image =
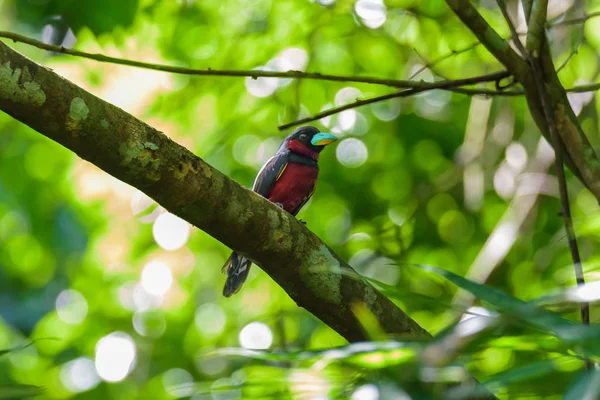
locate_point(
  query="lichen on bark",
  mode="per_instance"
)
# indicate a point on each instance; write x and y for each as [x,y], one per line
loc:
[321,272]
[17,85]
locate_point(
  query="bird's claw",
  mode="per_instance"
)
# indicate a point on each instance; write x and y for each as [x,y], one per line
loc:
[302,222]
[280,205]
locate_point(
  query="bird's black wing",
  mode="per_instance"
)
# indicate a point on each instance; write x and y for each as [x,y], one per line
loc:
[269,174]
[305,200]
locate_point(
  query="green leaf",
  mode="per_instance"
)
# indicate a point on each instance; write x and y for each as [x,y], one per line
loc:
[527,312]
[523,373]
[19,391]
[586,387]
[16,348]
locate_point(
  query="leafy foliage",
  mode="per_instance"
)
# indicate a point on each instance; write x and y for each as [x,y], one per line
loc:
[440,179]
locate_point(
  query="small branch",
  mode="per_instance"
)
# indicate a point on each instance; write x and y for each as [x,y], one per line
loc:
[430,64]
[536,37]
[495,44]
[575,21]
[405,93]
[562,186]
[209,72]
[435,62]
[406,84]
[590,87]
[549,25]
[535,26]
[573,52]
[535,45]
[513,31]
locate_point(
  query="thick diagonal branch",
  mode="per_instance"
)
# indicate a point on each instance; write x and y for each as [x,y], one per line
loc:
[139,155]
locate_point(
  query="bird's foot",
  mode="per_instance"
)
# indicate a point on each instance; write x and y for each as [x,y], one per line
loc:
[302,222]
[280,205]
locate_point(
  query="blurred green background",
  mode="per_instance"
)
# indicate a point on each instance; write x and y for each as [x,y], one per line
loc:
[122,299]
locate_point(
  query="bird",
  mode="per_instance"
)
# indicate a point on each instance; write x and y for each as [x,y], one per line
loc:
[287,179]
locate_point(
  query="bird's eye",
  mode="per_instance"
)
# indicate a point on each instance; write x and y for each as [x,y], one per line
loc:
[303,136]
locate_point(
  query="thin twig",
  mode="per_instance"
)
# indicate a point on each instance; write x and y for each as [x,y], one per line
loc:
[467,91]
[488,36]
[513,30]
[404,93]
[590,87]
[549,25]
[573,52]
[438,60]
[578,20]
[428,65]
[406,84]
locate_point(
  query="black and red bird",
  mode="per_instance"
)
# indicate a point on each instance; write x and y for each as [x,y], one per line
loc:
[287,179]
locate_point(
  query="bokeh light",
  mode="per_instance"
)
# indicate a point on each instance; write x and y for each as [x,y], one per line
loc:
[212,365]
[71,306]
[309,384]
[170,231]
[115,356]
[365,392]
[142,299]
[290,59]
[178,382]
[386,110]
[347,95]
[261,87]
[372,13]
[256,336]
[352,152]
[516,156]
[247,150]
[504,182]
[79,375]
[156,278]
[224,389]
[150,324]
[210,319]
[141,202]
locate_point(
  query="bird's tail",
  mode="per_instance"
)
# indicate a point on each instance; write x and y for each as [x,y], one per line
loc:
[236,268]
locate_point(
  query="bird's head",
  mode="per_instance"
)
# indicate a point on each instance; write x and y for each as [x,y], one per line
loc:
[308,139]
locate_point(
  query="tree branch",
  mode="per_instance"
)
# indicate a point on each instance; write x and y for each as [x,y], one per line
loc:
[535,27]
[580,157]
[406,93]
[465,49]
[575,21]
[513,31]
[560,172]
[573,52]
[488,37]
[185,185]
[496,76]
[404,84]
[438,60]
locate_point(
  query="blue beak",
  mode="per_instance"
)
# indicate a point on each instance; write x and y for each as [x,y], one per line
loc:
[322,139]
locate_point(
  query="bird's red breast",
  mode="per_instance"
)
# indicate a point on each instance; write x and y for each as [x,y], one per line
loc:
[296,183]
